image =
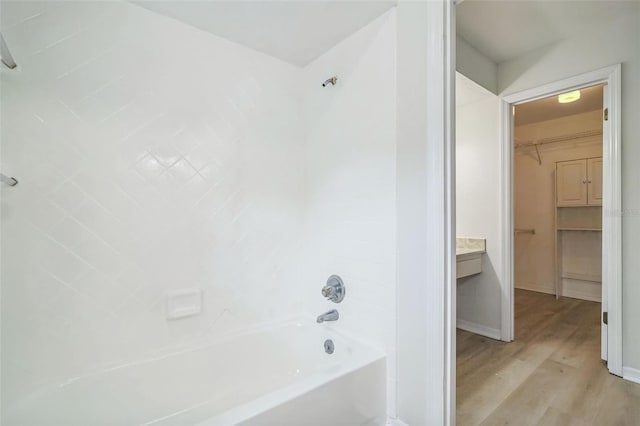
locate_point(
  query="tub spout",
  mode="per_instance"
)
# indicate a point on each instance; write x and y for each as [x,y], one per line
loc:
[331,315]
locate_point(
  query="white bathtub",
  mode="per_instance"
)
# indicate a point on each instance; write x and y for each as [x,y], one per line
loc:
[275,376]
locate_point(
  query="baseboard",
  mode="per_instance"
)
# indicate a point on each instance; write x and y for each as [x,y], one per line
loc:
[631,374]
[566,292]
[581,295]
[482,330]
[579,289]
[524,286]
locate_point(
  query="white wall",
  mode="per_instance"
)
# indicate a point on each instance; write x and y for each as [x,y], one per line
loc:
[350,149]
[534,202]
[619,43]
[477,203]
[424,350]
[475,66]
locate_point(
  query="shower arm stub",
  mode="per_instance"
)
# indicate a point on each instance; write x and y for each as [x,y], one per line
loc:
[11,181]
[5,54]
[333,80]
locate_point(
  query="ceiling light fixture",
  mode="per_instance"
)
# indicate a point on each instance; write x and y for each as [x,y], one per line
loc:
[569,97]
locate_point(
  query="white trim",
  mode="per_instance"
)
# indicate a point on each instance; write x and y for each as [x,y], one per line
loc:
[612,222]
[506,219]
[425,329]
[480,329]
[631,374]
[450,211]
[572,83]
[612,187]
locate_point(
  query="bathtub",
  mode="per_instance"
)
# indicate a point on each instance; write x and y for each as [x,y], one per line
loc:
[277,375]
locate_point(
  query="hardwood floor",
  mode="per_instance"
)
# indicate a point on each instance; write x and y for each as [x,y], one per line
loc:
[550,375]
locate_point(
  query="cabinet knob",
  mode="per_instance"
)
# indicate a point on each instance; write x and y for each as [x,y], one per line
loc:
[584,181]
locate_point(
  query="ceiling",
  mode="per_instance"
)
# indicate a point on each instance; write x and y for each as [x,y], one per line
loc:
[549,108]
[503,30]
[296,31]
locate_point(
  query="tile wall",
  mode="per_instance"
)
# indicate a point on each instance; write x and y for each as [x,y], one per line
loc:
[351,184]
[155,157]
[151,157]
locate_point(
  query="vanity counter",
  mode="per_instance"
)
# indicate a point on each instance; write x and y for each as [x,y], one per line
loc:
[469,253]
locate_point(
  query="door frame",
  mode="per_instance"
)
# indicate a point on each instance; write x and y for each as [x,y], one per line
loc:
[611,204]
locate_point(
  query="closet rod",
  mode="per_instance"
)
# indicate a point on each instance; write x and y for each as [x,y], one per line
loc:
[564,138]
[555,139]
[525,231]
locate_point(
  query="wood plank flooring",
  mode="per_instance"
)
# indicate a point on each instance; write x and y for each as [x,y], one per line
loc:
[550,375]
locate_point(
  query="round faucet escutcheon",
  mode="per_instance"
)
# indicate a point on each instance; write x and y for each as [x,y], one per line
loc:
[334,290]
[329,347]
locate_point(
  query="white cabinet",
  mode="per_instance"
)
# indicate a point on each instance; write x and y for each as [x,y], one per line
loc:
[594,181]
[571,183]
[579,182]
[578,245]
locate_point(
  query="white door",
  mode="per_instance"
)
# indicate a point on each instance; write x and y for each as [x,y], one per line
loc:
[571,183]
[594,181]
[604,333]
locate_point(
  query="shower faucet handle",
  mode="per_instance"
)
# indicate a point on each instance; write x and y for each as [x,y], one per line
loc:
[334,290]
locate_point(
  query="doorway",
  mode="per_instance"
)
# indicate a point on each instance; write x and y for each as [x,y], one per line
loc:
[558,195]
[566,278]
[496,375]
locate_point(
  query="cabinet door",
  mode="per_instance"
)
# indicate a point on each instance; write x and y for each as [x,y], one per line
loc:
[571,183]
[594,181]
